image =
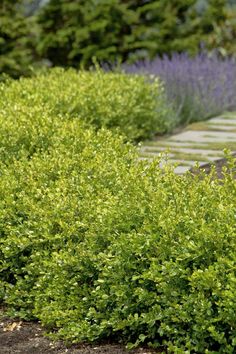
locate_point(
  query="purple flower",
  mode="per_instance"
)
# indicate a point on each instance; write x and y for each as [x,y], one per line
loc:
[197,87]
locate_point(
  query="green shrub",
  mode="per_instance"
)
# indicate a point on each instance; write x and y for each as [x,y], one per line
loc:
[222,38]
[16,39]
[79,168]
[130,103]
[73,33]
[96,244]
[124,30]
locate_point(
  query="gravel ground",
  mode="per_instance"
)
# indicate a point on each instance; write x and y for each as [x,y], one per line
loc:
[18,337]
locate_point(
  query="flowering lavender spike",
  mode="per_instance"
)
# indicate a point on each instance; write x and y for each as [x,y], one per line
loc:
[198,87]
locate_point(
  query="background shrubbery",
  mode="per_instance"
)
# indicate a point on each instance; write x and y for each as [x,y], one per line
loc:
[71,33]
[67,33]
[223,36]
[16,39]
[131,104]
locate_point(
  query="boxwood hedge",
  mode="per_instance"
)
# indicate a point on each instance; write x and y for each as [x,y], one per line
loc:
[96,244]
[134,105]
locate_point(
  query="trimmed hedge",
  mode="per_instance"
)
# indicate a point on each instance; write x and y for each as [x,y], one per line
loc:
[133,105]
[98,245]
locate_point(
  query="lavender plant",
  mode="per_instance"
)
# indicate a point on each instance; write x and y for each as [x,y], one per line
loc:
[198,87]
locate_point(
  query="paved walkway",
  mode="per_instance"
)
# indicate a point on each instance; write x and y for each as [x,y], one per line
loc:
[201,142]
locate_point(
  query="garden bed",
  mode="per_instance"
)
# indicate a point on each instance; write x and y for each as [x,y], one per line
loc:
[27,337]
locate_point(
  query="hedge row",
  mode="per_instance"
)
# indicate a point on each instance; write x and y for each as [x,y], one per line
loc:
[98,245]
[130,104]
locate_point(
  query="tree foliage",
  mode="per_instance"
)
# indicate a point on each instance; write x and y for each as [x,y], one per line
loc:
[224,34]
[73,32]
[16,46]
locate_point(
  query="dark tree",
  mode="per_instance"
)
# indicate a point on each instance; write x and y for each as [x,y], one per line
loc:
[16,39]
[73,32]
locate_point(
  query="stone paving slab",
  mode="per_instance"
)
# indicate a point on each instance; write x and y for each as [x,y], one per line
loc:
[188,163]
[213,127]
[155,153]
[199,142]
[204,136]
[223,121]
[187,150]
[179,170]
